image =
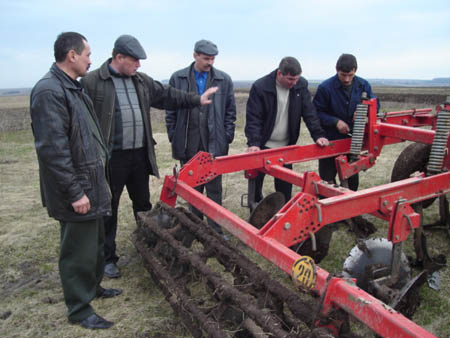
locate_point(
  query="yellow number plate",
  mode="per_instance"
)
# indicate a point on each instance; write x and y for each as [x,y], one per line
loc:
[304,273]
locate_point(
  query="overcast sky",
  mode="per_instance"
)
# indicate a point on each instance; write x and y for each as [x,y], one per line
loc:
[391,39]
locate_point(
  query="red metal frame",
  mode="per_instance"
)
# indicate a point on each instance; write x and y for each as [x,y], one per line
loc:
[306,213]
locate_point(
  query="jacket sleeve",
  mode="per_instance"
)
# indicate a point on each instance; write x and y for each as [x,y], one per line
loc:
[171,116]
[230,113]
[310,116]
[87,87]
[51,128]
[168,97]
[254,117]
[322,104]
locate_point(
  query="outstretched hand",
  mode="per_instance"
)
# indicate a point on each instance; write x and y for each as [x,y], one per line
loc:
[204,99]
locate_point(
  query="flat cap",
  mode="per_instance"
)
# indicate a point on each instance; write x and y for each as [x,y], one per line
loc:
[206,47]
[129,45]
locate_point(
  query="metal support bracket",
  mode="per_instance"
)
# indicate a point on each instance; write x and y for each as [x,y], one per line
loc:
[298,218]
[346,169]
[403,220]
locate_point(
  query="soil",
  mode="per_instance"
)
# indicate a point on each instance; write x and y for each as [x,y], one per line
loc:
[176,267]
[19,118]
[431,99]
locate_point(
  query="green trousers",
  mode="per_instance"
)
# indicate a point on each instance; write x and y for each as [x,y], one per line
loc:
[81,265]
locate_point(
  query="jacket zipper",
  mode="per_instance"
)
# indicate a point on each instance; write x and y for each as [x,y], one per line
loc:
[188,116]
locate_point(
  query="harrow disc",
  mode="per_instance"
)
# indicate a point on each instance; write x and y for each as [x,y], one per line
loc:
[266,208]
[370,260]
[373,252]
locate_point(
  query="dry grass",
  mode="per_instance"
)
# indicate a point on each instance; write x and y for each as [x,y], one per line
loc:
[12,102]
[14,113]
[31,303]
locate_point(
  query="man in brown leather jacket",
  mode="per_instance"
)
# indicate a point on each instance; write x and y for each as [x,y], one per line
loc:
[122,99]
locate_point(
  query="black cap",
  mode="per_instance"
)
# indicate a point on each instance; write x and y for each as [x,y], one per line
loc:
[206,47]
[129,45]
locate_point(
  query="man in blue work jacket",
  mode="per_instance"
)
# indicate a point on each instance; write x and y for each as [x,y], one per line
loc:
[335,101]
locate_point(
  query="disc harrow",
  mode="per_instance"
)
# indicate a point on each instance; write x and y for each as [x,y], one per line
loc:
[240,301]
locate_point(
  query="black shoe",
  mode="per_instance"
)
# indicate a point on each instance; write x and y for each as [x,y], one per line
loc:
[108,293]
[94,322]
[111,270]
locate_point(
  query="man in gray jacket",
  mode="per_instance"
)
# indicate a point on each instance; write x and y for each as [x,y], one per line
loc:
[209,128]
[122,99]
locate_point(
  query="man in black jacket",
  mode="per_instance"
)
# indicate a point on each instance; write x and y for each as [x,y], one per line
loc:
[209,128]
[72,158]
[275,106]
[122,98]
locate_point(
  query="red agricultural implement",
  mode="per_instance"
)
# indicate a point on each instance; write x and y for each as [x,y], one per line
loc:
[375,287]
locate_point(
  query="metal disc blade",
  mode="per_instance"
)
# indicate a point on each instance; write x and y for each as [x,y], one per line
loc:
[265,209]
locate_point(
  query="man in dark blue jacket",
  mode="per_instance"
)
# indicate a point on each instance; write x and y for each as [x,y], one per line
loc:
[335,102]
[275,106]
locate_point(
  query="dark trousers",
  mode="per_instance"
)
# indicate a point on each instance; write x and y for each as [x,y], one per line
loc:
[81,265]
[282,186]
[213,192]
[328,171]
[128,168]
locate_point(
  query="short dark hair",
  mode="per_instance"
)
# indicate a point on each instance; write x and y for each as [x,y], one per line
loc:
[290,65]
[67,41]
[346,63]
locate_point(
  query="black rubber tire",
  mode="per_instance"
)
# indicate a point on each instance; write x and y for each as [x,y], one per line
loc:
[413,158]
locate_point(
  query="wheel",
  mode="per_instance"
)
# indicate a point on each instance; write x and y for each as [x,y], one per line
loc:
[413,158]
